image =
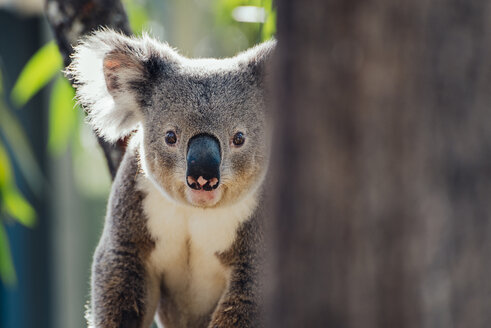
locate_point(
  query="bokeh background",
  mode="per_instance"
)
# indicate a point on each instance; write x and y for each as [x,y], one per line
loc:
[54,181]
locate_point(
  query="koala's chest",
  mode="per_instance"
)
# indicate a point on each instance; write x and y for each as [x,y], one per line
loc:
[185,259]
[186,243]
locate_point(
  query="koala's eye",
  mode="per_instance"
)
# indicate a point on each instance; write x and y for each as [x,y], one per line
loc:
[170,137]
[238,139]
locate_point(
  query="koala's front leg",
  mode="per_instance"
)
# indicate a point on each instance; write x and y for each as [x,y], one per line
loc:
[240,306]
[123,292]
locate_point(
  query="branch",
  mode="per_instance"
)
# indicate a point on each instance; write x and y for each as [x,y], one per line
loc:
[72,19]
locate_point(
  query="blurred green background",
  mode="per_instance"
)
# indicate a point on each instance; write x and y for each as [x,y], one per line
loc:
[53,177]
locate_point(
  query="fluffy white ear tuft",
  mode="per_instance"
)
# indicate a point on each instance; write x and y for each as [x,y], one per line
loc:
[105,69]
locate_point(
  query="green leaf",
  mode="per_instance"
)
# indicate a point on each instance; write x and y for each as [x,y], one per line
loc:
[16,206]
[13,203]
[21,148]
[5,170]
[38,71]
[7,271]
[62,116]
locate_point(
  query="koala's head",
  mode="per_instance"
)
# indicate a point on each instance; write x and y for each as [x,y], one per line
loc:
[202,122]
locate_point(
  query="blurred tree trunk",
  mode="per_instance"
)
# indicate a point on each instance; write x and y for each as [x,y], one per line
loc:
[383,210]
[72,19]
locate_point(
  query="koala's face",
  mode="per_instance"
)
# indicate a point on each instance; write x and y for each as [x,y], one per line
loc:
[202,122]
[204,134]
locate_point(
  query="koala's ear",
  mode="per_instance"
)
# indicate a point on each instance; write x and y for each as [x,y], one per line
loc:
[258,59]
[110,71]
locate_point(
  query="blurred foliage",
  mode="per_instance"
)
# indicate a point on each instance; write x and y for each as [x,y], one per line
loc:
[39,70]
[44,66]
[269,27]
[12,131]
[137,15]
[62,116]
[13,205]
[255,32]
[7,271]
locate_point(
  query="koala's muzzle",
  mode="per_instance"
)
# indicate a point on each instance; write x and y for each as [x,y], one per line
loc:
[203,161]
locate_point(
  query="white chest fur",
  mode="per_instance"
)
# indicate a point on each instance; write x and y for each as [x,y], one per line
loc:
[187,241]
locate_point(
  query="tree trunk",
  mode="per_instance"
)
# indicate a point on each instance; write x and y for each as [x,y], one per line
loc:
[72,19]
[383,212]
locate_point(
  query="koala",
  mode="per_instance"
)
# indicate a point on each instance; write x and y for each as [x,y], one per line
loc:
[183,236]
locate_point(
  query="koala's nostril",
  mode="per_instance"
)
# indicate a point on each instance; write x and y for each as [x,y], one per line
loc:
[207,185]
[202,181]
[192,183]
[213,182]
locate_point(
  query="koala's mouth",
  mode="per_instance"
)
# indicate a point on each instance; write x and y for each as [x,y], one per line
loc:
[203,198]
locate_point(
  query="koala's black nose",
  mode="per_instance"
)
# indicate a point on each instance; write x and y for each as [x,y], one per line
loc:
[203,160]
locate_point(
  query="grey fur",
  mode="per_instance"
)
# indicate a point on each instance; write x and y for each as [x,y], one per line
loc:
[126,84]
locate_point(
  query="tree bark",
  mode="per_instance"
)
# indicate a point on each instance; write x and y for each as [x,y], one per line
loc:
[384,198]
[72,19]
